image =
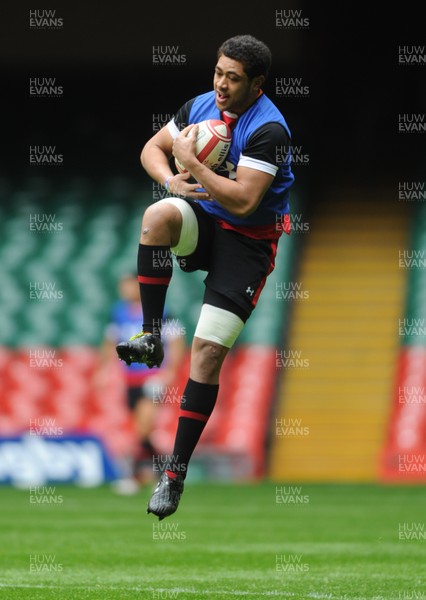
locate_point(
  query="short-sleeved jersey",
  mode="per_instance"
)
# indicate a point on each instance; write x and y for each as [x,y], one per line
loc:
[260,140]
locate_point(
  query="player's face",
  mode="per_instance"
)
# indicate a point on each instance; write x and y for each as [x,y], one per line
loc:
[129,289]
[235,92]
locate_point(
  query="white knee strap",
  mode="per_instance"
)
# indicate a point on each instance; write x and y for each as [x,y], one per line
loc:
[218,325]
[189,233]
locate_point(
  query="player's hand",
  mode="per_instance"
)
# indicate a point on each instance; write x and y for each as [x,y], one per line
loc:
[180,186]
[184,145]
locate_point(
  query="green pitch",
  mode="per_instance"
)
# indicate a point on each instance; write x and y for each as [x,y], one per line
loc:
[347,542]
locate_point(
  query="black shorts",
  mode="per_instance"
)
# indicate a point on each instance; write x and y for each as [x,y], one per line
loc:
[237,266]
[134,394]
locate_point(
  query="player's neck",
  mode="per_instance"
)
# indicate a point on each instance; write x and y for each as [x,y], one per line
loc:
[249,103]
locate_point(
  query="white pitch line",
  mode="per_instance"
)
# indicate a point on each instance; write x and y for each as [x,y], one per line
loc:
[177,591]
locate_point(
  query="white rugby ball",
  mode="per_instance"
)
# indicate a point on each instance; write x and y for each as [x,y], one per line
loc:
[211,145]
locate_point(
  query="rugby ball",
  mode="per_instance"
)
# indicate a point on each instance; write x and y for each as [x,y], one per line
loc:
[211,145]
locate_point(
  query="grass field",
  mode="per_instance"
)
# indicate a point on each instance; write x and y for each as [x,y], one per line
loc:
[348,542]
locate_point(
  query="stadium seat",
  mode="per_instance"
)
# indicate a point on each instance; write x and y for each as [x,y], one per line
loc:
[91,238]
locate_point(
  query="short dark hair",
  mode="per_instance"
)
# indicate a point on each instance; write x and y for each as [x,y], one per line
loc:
[253,54]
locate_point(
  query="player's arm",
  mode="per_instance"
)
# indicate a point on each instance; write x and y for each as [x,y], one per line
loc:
[155,155]
[254,175]
[155,159]
[240,196]
[106,355]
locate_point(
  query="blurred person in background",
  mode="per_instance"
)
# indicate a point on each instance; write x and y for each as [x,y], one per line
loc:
[146,388]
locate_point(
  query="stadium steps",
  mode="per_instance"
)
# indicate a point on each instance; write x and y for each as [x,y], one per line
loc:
[332,407]
[404,453]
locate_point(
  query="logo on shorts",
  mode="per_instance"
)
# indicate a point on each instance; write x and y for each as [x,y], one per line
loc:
[249,291]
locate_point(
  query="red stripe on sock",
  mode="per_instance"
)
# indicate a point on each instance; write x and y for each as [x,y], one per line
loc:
[154,280]
[189,414]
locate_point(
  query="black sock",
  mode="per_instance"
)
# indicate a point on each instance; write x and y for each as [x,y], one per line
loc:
[155,269]
[143,454]
[197,405]
[147,446]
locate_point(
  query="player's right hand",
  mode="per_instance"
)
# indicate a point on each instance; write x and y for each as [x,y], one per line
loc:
[179,185]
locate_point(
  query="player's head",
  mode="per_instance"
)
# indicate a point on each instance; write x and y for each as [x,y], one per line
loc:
[243,63]
[253,54]
[129,287]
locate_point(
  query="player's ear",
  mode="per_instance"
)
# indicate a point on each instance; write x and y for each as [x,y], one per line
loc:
[258,82]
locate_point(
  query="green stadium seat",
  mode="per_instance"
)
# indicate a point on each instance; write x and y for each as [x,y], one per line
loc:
[96,243]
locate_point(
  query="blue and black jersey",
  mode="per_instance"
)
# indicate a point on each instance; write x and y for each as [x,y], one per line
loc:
[260,140]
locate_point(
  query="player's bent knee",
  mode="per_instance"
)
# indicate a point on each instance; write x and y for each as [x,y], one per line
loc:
[218,326]
[161,213]
[189,231]
[162,220]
